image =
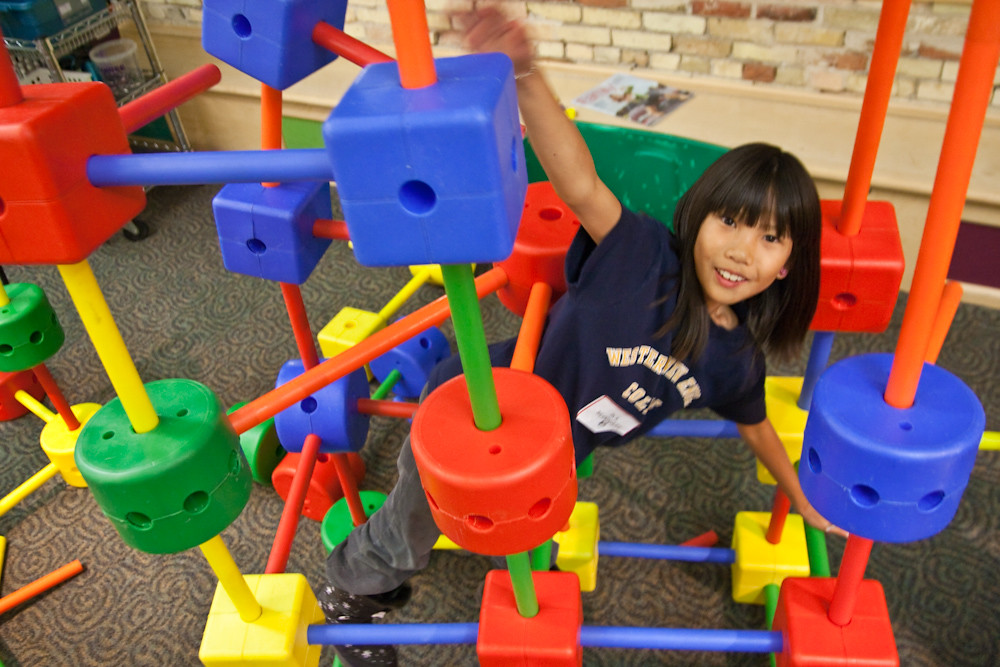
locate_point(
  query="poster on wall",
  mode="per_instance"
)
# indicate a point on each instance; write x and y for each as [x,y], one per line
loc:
[642,101]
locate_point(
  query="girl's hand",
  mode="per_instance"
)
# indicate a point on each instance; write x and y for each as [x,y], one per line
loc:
[488,30]
[817,521]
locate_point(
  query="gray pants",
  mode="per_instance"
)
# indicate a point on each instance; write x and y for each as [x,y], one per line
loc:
[394,544]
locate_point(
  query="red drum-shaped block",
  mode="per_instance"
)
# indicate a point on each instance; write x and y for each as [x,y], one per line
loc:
[503,491]
[324,486]
[49,211]
[10,384]
[859,275]
[551,637]
[813,640]
[539,255]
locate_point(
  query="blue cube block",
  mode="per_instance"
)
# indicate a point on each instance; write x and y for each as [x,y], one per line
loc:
[268,232]
[331,413]
[885,473]
[433,175]
[271,40]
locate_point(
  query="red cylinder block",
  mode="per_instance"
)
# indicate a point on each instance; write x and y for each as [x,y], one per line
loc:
[10,384]
[503,491]
[539,255]
[324,486]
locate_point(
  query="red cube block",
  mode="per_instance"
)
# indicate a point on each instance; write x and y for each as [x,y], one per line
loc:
[859,275]
[546,231]
[10,384]
[551,638]
[49,211]
[812,640]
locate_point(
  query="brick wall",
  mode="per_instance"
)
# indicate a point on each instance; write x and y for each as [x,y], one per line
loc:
[818,45]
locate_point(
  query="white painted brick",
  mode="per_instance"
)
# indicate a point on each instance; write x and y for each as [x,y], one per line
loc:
[660,6]
[919,68]
[904,87]
[861,41]
[544,31]
[664,61]
[584,34]
[856,82]
[613,18]
[579,52]
[449,5]
[556,50]
[193,15]
[664,22]
[369,15]
[695,65]
[797,33]
[744,29]
[767,54]
[728,69]
[996,97]
[938,25]
[935,91]
[830,80]
[851,18]
[607,55]
[555,11]
[790,75]
[438,21]
[636,39]
[949,71]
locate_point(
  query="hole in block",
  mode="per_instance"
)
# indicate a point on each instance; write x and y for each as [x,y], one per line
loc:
[550,213]
[864,496]
[479,522]
[36,337]
[308,405]
[431,501]
[906,426]
[540,509]
[930,501]
[241,26]
[844,300]
[417,197]
[322,457]
[256,246]
[495,449]
[815,465]
[139,520]
[183,412]
[107,435]
[196,502]
[6,349]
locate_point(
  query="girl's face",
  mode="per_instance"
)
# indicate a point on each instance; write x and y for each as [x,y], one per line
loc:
[734,261]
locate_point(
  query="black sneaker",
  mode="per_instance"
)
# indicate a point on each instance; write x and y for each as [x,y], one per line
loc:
[343,607]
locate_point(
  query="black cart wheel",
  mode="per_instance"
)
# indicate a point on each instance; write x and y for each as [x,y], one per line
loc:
[136,230]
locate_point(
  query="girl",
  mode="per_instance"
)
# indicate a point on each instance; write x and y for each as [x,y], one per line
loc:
[651,323]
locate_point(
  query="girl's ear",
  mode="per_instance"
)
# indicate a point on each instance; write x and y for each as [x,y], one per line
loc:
[783,273]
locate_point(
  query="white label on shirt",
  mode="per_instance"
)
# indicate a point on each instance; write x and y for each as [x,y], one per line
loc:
[603,414]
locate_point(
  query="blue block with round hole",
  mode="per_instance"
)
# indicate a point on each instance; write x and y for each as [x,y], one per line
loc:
[268,232]
[885,473]
[414,359]
[331,413]
[432,175]
[271,40]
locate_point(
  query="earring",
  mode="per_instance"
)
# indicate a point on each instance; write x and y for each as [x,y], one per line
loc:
[783,272]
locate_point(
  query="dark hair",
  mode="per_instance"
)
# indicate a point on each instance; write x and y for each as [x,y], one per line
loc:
[750,184]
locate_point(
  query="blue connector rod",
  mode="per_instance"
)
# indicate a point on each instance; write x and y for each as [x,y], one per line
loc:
[694,428]
[390,633]
[680,639]
[666,552]
[285,166]
[819,357]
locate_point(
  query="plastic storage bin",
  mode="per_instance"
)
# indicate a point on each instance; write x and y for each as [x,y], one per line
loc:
[36,19]
[647,170]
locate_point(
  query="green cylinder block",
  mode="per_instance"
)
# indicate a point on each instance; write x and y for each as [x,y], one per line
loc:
[261,448]
[338,523]
[29,330]
[176,486]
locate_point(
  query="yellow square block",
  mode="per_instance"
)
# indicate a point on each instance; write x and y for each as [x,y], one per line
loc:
[59,443]
[782,395]
[275,639]
[348,328]
[578,545]
[758,562]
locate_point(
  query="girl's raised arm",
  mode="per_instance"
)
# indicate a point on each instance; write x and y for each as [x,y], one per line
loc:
[557,142]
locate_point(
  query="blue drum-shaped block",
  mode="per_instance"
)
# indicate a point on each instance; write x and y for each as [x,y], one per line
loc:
[414,359]
[881,472]
[331,413]
[271,40]
[268,232]
[433,175]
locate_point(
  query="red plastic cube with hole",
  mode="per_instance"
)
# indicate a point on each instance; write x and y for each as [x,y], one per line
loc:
[859,275]
[49,211]
[10,384]
[813,640]
[550,638]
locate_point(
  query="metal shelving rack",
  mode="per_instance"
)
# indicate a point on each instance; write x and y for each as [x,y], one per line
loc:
[37,61]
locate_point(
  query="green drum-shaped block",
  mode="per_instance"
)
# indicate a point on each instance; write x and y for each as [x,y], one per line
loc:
[176,486]
[261,448]
[29,329]
[338,523]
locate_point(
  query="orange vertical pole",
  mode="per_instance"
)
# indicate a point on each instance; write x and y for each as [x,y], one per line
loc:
[965,122]
[950,300]
[852,572]
[881,72]
[413,43]
[270,120]
[530,334]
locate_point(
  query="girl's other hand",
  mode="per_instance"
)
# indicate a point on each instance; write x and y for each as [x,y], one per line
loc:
[489,30]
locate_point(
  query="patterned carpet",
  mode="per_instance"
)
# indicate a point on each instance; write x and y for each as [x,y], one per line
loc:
[183,315]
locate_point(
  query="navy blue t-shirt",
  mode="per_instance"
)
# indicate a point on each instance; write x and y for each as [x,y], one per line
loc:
[598,348]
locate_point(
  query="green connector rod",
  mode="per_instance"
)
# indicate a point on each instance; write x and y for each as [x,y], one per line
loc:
[819,560]
[390,381]
[467,319]
[541,557]
[771,592]
[586,469]
[519,567]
